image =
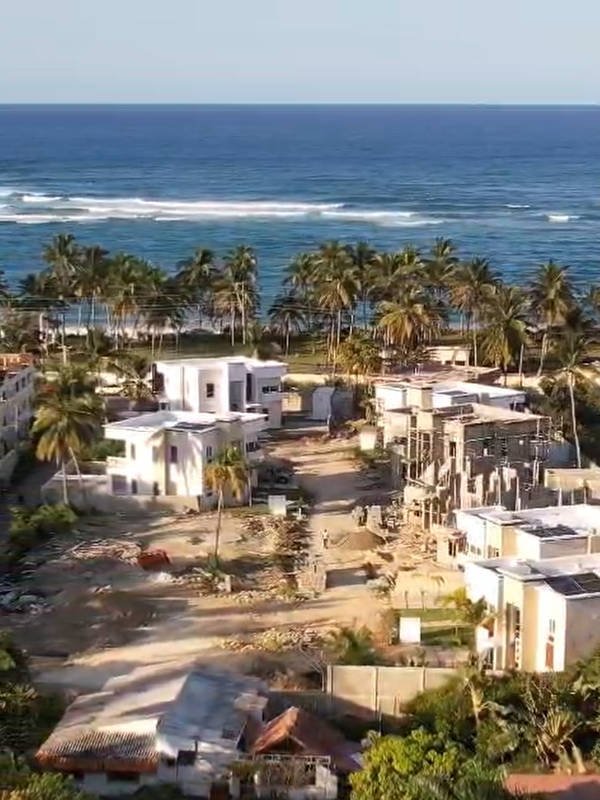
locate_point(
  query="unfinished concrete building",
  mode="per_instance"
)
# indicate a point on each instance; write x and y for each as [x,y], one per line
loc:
[463,456]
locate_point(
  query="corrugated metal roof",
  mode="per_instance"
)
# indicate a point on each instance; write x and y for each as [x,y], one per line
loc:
[97,751]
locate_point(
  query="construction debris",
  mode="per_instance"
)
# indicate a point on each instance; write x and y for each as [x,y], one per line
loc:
[277,641]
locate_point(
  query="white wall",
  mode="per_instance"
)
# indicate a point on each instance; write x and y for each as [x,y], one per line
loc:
[481,581]
[551,606]
[389,397]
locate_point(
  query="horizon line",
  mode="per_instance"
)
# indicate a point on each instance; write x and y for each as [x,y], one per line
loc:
[304,103]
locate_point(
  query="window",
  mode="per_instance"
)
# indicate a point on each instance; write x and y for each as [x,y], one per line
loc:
[452,451]
[172,455]
[130,777]
[186,758]
[493,552]
[134,486]
[208,453]
[550,644]
[252,447]
[132,452]
[210,390]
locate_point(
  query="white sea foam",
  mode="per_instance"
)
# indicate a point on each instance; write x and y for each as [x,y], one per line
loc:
[518,205]
[82,209]
[38,199]
[561,217]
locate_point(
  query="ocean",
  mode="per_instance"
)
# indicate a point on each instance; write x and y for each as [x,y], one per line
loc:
[518,185]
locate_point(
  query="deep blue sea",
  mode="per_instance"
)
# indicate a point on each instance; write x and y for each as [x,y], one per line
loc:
[518,185]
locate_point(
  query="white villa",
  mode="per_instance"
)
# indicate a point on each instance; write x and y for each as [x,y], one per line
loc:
[17,387]
[166,451]
[221,385]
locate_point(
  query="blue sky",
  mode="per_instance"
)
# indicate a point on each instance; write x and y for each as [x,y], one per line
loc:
[299,51]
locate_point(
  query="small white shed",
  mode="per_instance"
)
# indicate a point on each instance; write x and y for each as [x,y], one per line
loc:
[321,402]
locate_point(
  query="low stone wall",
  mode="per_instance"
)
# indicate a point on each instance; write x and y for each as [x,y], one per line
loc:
[90,494]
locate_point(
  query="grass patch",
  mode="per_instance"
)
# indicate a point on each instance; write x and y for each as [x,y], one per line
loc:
[448,636]
[430,614]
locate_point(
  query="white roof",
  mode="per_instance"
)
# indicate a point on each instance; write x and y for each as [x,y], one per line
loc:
[215,361]
[186,420]
[581,518]
[531,569]
[492,390]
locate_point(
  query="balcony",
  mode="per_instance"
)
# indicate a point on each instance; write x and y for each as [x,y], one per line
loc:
[116,462]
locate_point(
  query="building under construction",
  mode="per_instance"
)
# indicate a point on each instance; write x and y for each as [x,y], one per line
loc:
[463,455]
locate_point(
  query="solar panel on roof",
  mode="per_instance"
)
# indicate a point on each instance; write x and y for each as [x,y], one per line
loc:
[564,584]
[588,581]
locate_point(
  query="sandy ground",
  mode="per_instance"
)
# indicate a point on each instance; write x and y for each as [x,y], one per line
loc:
[106,617]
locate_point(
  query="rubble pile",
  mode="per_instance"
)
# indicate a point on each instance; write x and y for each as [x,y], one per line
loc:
[277,641]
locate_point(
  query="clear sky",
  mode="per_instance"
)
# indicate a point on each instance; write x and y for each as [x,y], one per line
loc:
[300,51]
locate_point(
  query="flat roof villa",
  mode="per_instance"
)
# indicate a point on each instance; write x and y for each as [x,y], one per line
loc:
[219,385]
[539,533]
[428,394]
[545,613]
[166,452]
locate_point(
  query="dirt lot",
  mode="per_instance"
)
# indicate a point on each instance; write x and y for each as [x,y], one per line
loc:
[102,615]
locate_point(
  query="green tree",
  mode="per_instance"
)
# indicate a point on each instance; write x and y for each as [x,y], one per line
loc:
[411,319]
[440,265]
[571,351]
[133,368]
[337,287]
[551,298]
[505,334]
[392,765]
[287,317]
[352,646]
[64,425]
[359,356]
[469,292]
[227,473]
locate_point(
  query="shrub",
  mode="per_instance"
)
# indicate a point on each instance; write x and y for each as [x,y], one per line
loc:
[53,519]
[102,449]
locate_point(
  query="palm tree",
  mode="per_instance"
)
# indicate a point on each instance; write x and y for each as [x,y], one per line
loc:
[62,255]
[411,318]
[469,292]
[195,277]
[359,356]
[551,298]
[64,426]
[352,646]
[228,472]
[133,368]
[441,264]
[286,316]
[337,286]
[89,280]
[506,333]
[363,256]
[241,267]
[571,350]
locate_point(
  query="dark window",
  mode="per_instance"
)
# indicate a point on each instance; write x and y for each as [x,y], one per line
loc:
[210,390]
[77,775]
[452,449]
[172,454]
[134,486]
[248,387]
[209,453]
[130,777]
[186,758]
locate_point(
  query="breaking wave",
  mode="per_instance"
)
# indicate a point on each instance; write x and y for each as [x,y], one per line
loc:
[561,217]
[34,208]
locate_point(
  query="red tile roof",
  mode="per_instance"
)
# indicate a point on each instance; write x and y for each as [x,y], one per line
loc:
[312,735]
[99,751]
[556,786]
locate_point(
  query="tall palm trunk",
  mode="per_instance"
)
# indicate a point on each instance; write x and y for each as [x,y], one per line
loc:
[543,353]
[219,517]
[63,464]
[287,338]
[232,322]
[571,383]
[243,313]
